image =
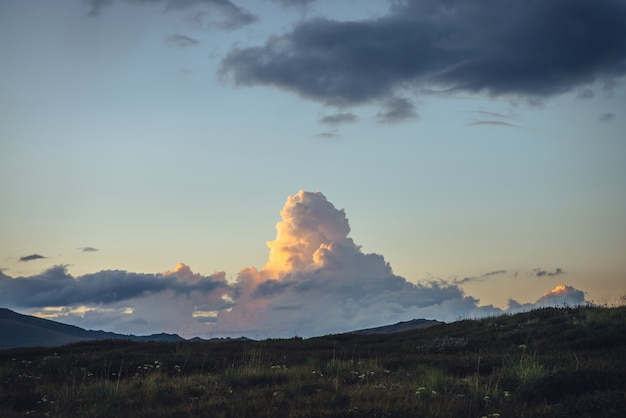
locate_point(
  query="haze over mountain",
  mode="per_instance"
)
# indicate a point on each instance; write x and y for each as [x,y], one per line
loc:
[19,330]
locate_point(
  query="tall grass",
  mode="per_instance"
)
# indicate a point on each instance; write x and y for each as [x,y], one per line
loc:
[544,363]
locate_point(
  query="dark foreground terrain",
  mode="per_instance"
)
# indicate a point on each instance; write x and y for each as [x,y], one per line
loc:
[553,362]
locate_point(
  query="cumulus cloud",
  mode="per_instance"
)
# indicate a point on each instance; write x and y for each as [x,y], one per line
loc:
[31,257]
[222,14]
[561,295]
[316,281]
[533,49]
[88,249]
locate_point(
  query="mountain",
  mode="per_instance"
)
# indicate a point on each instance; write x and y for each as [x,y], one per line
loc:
[398,327]
[19,330]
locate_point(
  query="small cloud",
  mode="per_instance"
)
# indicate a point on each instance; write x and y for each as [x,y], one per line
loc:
[478,278]
[329,134]
[494,273]
[585,93]
[31,257]
[221,14]
[492,123]
[293,3]
[339,119]
[606,117]
[180,41]
[88,249]
[397,109]
[541,273]
[465,280]
[492,114]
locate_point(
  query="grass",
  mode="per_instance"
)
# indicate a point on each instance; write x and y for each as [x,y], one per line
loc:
[552,362]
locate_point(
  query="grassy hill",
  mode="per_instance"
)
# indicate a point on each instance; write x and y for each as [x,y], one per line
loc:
[552,362]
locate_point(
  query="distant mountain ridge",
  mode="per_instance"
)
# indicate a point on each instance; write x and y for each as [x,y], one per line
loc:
[399,327]
[18,330]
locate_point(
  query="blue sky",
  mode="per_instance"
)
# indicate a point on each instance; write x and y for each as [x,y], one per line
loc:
[136,135]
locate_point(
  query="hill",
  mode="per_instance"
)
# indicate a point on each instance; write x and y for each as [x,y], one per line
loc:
[550,362]
[399,327]
[19,330]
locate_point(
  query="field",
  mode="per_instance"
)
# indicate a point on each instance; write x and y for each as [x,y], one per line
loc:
[552,362]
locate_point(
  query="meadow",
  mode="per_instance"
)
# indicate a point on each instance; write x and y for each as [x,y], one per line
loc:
[551,362]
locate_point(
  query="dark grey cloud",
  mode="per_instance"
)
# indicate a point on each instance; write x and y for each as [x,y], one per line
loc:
[397,109]
[479,278]
[88,249]
[606,117]
[528,48]
[222,14]
[294,3]
[541,273]
[55,287]
[339,119]
[180,41]
[31,257]
[494,273]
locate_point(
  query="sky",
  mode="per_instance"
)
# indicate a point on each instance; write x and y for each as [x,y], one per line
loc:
[273,168]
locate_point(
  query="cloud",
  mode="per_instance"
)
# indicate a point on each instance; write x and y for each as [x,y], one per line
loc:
[480,278]
[562,295]
[221,14]
[396,110]
[180,41]
[492,123]
[606,117]
[316,281]
[339,119]
[317,274]
[532,49]
[175,301]
[329,134]
[540,272]
[294,3]
[56,287]
[31,257]
[88,249]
